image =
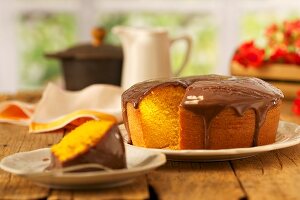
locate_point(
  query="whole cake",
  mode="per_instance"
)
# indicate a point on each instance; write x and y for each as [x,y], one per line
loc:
[202,112]
[97,142]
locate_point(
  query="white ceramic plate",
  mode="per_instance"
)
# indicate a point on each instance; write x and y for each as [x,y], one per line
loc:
[32,164]
[288,134]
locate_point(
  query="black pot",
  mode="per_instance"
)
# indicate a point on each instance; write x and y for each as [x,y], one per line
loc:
[86,64]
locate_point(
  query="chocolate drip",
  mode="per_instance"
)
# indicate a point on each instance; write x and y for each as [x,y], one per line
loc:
[137,92]
[209,98]
[109,152]
[208,114]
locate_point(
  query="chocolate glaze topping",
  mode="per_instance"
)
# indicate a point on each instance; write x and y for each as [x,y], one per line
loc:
[208,98]
[137,92]
[208,95]
[109,152]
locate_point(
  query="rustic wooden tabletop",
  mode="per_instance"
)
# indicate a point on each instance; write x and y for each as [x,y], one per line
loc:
[272,175]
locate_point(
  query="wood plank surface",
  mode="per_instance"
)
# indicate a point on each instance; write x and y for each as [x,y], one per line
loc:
[26,96]
[284,72]
[137,190]
[273,175]
[187,180]
[15,139]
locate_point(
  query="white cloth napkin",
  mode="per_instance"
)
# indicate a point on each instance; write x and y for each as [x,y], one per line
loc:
[59,107]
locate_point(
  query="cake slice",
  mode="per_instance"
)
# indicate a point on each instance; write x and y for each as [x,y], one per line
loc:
[97,142]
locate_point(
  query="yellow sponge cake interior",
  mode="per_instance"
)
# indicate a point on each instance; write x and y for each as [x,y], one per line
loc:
[81,139]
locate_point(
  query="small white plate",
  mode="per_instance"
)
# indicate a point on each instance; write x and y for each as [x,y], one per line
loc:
[32,164]
[288,134]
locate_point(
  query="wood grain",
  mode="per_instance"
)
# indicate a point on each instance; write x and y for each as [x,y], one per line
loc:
[138,190]
[26,96]
[273,175]
[284,72]
[179,180]
[15,139]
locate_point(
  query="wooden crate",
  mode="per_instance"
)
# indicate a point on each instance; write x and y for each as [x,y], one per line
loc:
[283,76]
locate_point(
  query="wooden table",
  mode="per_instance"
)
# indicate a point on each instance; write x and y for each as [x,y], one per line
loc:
[272,175]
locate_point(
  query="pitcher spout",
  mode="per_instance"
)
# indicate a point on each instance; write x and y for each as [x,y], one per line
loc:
[123,33]
[118,30]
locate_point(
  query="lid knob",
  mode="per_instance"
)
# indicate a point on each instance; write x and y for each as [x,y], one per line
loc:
[98,34]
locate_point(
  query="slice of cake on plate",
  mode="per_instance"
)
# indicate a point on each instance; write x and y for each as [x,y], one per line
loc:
[94,142]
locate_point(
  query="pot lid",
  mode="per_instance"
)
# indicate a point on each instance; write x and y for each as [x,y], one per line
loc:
[96,50]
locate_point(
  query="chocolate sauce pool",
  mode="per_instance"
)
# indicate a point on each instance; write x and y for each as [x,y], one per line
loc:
[209,95]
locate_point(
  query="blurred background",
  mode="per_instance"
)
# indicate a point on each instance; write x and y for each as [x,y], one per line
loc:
[31,28]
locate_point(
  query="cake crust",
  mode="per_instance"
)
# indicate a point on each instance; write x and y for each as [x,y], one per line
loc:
[228,130]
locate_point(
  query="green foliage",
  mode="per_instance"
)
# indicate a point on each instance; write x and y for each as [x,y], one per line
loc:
[41,34]
[254,23]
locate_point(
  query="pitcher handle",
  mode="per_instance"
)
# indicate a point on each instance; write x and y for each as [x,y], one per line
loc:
[188,41]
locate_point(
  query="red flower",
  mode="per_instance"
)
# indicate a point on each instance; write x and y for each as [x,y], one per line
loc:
[283,46]
[296,106]
[291,27]
[249,55]
[297,43]
[293,58]
[271,30]
[281,55]
[278,56]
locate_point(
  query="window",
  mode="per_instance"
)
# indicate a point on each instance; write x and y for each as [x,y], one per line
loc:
[30,28]
[40,33]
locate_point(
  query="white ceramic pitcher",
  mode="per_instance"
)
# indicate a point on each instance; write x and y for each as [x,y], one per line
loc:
[147,54]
